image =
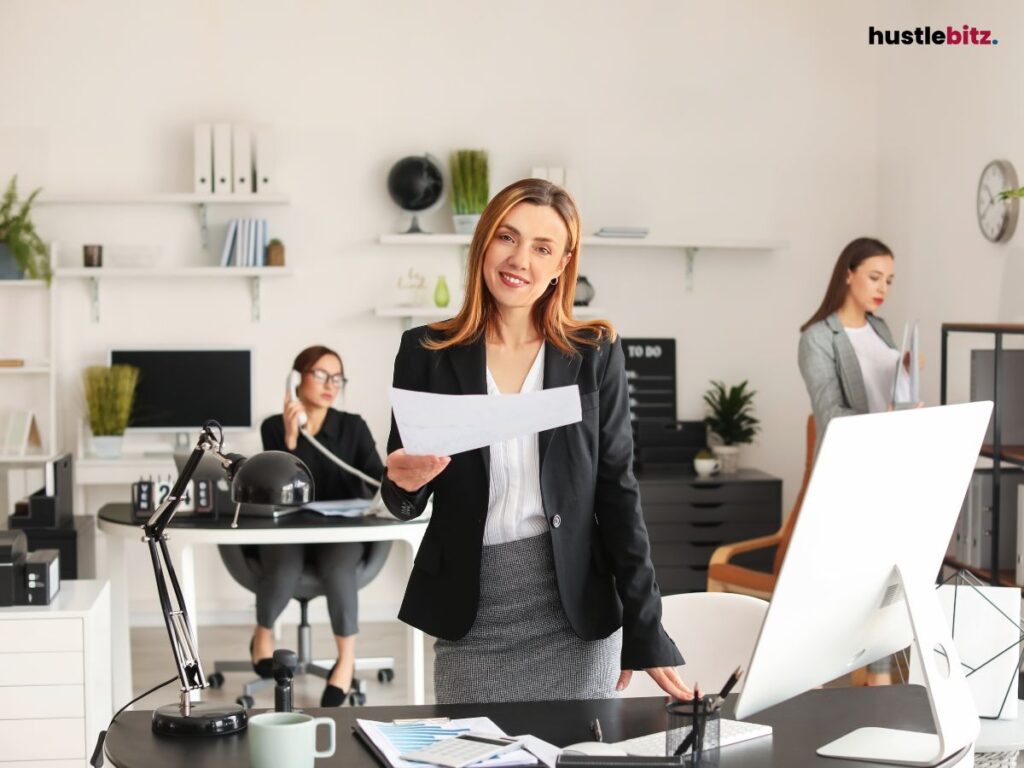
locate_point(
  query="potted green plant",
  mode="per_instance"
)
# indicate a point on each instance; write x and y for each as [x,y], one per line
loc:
[22,252]
[469,188]
[730,421]
[109,394]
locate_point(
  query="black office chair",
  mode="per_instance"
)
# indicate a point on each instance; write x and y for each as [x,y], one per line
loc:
[243,564]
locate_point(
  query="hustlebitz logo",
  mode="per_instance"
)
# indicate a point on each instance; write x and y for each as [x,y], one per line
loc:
[964,35]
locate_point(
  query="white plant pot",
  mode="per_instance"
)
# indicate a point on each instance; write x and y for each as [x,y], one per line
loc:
[465,223]
[729,456]
[107,446]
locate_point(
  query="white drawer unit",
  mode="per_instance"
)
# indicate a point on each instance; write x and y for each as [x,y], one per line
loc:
[55,678]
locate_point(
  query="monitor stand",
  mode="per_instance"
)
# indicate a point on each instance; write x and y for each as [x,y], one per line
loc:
[952,705]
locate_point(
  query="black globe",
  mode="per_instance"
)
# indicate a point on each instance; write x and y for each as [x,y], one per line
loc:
[415,183]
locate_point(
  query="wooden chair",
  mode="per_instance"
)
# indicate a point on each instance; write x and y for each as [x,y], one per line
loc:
[725,576]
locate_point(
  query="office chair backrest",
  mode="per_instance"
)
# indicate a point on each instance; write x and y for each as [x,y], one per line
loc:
[787,528]
[715,631]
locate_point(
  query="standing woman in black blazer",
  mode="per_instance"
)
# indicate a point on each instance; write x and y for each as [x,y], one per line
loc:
[534,573]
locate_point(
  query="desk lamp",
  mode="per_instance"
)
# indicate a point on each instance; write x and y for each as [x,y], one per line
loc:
[271,477]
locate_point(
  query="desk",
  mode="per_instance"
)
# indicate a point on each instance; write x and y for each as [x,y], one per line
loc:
[115,520]
[800,725]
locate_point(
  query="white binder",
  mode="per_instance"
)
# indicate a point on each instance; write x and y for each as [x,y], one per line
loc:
[222,159]
[264,160]
[202,153]
[241,151]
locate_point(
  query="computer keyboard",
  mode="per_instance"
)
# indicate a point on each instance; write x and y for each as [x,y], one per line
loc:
[732,732]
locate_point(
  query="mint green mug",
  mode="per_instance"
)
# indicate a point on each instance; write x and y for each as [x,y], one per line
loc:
[286,740]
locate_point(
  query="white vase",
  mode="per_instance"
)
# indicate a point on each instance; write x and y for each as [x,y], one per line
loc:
[465,223]
[729,455]
[106,446]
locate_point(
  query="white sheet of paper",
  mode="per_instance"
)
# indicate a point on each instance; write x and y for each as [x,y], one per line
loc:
[443,425]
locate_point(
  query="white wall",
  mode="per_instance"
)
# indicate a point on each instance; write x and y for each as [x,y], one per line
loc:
[702,119]
[945,113]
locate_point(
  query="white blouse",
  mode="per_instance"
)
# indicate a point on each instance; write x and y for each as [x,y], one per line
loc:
[515,509]
[878,363]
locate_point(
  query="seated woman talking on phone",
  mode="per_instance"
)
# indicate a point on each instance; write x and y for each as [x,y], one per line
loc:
[320,379]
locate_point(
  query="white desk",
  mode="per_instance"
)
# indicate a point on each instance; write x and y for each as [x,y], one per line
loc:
[114,520]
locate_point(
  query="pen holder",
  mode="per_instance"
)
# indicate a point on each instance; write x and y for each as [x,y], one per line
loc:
[693,732]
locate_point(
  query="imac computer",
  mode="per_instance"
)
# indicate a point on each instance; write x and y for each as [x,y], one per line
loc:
[858,581]
[179,390]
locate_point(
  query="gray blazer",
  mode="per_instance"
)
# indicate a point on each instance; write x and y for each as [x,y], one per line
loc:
[831,371]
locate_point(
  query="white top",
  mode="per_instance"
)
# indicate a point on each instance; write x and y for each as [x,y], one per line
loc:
[878,363]
[515,509]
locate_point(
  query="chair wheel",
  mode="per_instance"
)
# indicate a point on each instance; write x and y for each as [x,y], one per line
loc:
[385,675]
[357,699]
[246,701]
[216,680]
[359,685]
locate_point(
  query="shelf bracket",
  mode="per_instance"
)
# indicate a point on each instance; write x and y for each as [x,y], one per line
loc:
[94,298]
[204,226]
[691,255]
[256,287]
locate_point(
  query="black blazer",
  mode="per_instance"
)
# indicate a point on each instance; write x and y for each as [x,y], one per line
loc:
[591,499]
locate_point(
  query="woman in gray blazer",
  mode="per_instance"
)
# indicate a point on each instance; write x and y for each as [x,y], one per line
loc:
[847,356]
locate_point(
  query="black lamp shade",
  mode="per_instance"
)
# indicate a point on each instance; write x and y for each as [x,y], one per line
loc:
[273,477]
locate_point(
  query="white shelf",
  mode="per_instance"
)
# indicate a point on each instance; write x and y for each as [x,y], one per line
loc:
[35,458]
[689,246]
[96,274]
[24,370]
[23,284]
[100,273]
[722,244]
[160,198]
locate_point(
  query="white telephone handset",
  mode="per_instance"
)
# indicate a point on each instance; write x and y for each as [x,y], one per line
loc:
[294,379]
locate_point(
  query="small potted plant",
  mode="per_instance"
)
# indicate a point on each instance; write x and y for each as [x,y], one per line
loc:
[705,464]
[22,252]
[730,421]
[109,394]
[469,188]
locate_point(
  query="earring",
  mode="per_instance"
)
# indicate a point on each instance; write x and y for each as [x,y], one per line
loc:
[554,280]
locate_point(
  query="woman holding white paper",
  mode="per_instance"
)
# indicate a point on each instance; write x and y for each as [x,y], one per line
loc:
[847,356]
[534,573]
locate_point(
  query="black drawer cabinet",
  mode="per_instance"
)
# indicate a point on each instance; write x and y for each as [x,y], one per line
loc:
[688,517]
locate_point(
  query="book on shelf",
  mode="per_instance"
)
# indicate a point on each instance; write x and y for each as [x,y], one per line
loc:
[20,434]
[11,362]
[229,243]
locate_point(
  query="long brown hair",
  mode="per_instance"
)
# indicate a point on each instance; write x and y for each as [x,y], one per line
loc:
[306,359]
[853,256]
[552,312]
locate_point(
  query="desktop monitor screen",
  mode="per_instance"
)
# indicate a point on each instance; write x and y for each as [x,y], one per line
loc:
[886,491]
[180,389]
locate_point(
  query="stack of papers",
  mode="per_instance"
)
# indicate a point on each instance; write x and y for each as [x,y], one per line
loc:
[389,740]
[340,507]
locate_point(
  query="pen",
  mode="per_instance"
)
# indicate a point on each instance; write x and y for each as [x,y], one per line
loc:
[595,730]
[727,688]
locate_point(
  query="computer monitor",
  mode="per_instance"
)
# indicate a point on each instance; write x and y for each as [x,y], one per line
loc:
[181,389]
[858,580]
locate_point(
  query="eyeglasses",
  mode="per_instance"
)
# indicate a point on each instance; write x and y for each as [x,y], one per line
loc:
[323,377]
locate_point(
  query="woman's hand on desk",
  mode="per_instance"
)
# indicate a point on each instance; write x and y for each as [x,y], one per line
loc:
[410,473]
[667,679]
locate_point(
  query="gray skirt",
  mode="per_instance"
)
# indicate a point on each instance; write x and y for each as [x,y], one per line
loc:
[521,646]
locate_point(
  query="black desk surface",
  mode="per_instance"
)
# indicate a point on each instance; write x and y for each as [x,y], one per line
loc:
[801,725]
[122,514]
